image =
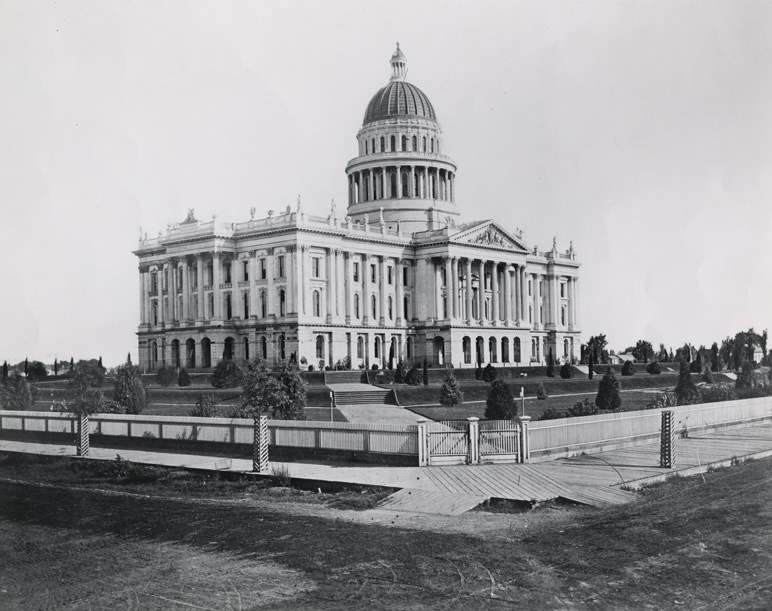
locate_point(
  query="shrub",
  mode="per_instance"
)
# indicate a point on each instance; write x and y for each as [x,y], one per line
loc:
[717,392]
[489,373]
[590,364]
[374,367]
[400,373]
[609,397]
[628,369]
[226,375]
[86,374]
[206,407]
[500,404]
[663,400]
[16,393]
[583,408]
[166,375]
[654,368]
[130,391]
[745,379]
[414,377]
[566,371]
[550,365]
[450,393]
[686,392]
[280,476]
[707,376]
[753,392]
[551,414]
[36,371]
[478,372]
[183,378]
[541,392]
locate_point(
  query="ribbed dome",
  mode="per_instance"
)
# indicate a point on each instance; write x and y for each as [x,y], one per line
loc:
[399,99]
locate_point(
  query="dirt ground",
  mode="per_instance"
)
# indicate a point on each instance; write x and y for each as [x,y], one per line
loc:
[124,538]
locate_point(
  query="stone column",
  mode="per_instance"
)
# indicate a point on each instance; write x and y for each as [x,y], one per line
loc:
[508,294]
[340,282]
[399,182]
[448,288]
[347,282]
[575,302]
[412,189]
[468,294]
[454,287]
[421,290]
[200,315]
[495,292]
[399,291]
[523,294]
[330,285]
[438,313]
[382,294]
[481,292]
[142,298]
[185,291]
[303,278]
[254,300]
[237,310]
[365,292]
[290,273]
[216,269]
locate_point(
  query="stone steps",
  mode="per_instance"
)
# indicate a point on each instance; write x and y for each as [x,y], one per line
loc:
[362,397]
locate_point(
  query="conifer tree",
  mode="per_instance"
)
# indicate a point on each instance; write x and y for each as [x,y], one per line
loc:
[686,391]
[426,373]
[745,379]
[500,404]
[489,373]
[130,392]
[541,392]
[450,393]
[609,396]
[590,364]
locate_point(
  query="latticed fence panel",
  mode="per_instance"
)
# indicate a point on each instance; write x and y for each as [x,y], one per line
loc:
[260,445]
[499,438]
[448,438]
[667,441]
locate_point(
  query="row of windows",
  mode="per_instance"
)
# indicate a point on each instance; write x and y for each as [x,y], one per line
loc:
[406,144]
[190,359]
[374,274]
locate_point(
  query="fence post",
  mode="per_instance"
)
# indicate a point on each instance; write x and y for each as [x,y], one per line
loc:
[260,445]
[82,440]
[667,441]
[423,457]
[473,430]
[524,455]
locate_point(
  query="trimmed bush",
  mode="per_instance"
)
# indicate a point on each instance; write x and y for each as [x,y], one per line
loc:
[541,392]
[16,393]
[478,372]
[226,375]
[183,378]
[717,392]
[500,404]
[583,408]
[400,373]
[686,391]
[551,414]
[206,407]
[654,368]
[745,379]
[628,369]
[566,372]
[166,375]
[609,396]
[489,373]
[130,392]
[414,377]
[450,393]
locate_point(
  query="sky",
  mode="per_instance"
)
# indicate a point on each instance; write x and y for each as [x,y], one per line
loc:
[641,131]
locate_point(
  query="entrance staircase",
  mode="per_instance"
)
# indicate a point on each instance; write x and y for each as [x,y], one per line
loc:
[345,377]
[364,395]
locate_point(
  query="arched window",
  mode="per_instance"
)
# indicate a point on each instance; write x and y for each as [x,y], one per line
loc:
[190,354]
[360,347]
[409,348]
[563,315]
[505,350]
[393,184]
[155,312]
[206,352]
[372,147]
[415,143]
[432,145]
[383,144]
[320,346]
[282,303]
[263,347]
[565,348]
[467,347]
[405,312]
[282,347]
[366,147]
[480,350]
[246,306]
[374,306]
[377,347]
[391,309]
[393,143]
[492,349]
[423,147]
[263,304]
[175,353]
[516,350]
[356,305]
[404,143]
[228,307]
[317,303]
[246,348]
[227,352]
[405,184]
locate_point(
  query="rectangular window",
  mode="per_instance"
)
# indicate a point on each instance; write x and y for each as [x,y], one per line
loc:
[153,282]
[227,273]
[179,278]
[530,288]
[404,276]
[389,275]
[372,272]
[562,289]
[356,271]
[262,269]
[245,268]
[281,266]
[316,267]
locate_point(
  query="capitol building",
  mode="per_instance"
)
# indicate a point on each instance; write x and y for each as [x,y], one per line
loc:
[398,275]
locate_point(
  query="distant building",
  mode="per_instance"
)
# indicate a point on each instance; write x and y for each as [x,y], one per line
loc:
[398,276]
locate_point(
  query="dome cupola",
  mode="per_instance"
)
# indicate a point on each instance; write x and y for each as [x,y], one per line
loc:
[401,174]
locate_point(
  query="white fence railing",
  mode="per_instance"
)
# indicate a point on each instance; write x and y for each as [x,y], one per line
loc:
[570,436]
[378,438]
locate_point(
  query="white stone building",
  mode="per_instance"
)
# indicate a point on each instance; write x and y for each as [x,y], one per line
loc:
[396,277]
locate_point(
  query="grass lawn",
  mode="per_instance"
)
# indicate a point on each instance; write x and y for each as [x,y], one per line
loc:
[189,542]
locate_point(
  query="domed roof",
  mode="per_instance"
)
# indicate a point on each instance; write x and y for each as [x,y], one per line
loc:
[399,99]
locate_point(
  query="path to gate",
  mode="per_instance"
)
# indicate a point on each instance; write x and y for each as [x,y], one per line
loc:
[592,479]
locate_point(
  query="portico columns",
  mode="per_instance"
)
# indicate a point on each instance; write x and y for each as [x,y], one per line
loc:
[454,287]
[468,294]
[200,286]
[236,302]
[217,313]
[495,292]
[438,292]
[382,294]
[508,295]
[481,291]
[185,291]
[448,313]
[523,292]
[398,286]
[330,288]
[348,279]
[142,297]
[365,292]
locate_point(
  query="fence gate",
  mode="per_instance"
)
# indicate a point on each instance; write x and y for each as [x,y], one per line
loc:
[447,442]
[499,441]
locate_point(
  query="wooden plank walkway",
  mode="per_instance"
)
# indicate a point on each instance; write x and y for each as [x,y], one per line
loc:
[427,501]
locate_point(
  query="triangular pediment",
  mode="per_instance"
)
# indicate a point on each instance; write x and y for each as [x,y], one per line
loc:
[489,234]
